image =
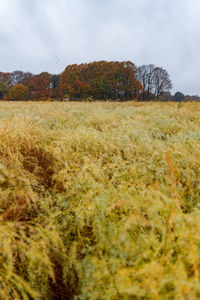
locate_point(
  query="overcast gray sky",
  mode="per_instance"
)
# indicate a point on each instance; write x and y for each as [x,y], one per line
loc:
[47,35]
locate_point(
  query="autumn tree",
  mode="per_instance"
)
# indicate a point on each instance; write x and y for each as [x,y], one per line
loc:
[101,80]
[5,77]
[18,92]
[40,86]
[3,89]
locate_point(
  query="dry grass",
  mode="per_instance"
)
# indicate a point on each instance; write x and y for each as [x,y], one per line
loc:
[99,201]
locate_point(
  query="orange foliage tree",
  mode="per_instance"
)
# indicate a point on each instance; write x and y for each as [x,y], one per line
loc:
[102,80]
[40,86]
[5,77]
[18,92]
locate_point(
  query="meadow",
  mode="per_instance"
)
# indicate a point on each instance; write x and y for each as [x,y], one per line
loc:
[99,200]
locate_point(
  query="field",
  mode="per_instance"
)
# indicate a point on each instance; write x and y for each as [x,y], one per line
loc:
[99,200]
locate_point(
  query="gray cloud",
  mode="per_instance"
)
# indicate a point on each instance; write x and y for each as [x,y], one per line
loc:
[47,35]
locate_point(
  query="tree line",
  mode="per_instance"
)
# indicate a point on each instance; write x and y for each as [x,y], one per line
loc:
[99,80]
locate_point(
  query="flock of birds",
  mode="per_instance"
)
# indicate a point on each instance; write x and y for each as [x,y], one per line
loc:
[52,63]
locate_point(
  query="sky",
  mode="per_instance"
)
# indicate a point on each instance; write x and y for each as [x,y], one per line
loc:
[48,35]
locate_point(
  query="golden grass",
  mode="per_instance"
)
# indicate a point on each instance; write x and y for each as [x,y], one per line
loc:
[99,200]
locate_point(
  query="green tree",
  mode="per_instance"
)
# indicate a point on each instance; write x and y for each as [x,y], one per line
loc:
[3,89]
[178,96]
